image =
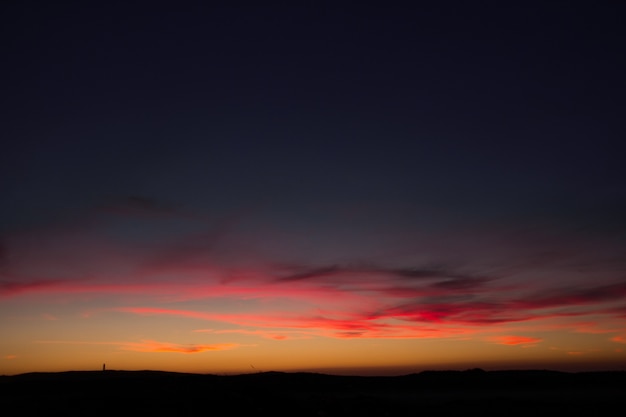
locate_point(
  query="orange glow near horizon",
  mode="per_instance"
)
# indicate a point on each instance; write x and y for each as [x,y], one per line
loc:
[272,333]
[79,301]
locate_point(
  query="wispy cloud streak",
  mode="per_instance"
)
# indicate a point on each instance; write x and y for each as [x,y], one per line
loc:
[154,346]
[151,346]
[524,341]
[340,300]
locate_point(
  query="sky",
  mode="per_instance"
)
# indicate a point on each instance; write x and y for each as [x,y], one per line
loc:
[371,189]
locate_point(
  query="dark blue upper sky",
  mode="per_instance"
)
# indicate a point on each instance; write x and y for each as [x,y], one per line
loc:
[358,121]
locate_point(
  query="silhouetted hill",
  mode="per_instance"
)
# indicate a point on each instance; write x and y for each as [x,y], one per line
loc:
[312,394]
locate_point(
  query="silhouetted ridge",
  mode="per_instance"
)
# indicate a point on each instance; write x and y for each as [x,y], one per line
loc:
[158,393]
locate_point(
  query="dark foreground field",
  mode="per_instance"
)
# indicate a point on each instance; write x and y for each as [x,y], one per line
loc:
[447,393]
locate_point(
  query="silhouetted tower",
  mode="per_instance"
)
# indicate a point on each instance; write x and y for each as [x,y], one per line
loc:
[104,367]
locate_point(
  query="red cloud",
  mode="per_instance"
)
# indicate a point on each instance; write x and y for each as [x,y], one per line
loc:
[332,300]
[315,325]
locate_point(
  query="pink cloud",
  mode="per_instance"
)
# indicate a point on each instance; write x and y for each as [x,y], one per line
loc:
[351,309]
[341,301]
[190,290]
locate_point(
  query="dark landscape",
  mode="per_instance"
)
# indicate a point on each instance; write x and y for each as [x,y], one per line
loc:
[428,393]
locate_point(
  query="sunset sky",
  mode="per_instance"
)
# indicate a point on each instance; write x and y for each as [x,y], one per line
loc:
[336,188]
